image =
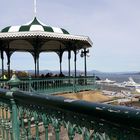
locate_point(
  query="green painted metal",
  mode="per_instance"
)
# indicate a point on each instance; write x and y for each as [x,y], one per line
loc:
[6,123]
[25,28]
[14,82]
[36,119]
[56,125]
[58,85]
[3,122]
[29,137]
[11,130]
[86,134]
[52,85]
[15,121]
[71,130]
[46,124]
[0,120]
[23,131]
[43,116]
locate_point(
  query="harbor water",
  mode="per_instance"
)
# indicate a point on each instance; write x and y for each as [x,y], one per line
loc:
[119,77]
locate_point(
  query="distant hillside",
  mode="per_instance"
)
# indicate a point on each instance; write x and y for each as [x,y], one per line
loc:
[91,72]
[65,72]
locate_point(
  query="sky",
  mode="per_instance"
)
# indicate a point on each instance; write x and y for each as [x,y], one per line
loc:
[112,25]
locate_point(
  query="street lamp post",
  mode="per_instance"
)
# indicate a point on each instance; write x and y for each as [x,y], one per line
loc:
[84,53]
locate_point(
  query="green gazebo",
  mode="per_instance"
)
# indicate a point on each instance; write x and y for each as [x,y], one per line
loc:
[36,37]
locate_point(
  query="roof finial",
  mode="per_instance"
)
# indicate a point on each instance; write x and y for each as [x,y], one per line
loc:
[35,8]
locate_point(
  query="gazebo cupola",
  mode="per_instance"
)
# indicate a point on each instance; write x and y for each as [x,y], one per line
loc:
[34,25]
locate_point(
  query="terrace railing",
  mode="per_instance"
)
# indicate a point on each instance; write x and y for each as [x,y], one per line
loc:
[55,85]
[29,116]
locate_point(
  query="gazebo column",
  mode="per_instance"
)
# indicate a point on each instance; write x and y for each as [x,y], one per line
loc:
[8,61]
[2,63]
[35,53]
[69,57]
[75,71]
[75,65]
[34,56]
[36,61]
[60,54]
[35,66]
[60,61]
[8,66]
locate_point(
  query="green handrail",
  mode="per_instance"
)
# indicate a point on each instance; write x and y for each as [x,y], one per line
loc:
[89,120]
[52,85]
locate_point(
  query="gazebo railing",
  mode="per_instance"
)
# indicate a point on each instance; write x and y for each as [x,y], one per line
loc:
[28,116]
[55,85]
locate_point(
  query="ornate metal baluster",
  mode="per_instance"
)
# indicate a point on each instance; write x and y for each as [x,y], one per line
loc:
[39,82]
[57,131]
[42,85]
[15,121]
[71,130]
[29,85]
[54,85]
[25,85]
[0,120]
[46,123]
[11,131]
[99,135]
[22,115]
[45,85]
[37,85]
[86,134]
[56,126]
[3,123]
[29,136]
[36,119]
[94,135]
[7,122]
[78,130]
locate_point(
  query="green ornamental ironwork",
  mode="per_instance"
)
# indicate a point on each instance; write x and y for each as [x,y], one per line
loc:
[14,82]
[34,116]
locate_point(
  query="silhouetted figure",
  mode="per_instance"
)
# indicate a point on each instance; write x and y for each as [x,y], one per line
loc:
[61,75]
[42,76]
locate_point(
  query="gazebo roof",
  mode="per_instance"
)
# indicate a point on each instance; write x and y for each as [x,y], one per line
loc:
[20,38]
[34,25]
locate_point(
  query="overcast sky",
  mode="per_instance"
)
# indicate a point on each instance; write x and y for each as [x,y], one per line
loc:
[112,25]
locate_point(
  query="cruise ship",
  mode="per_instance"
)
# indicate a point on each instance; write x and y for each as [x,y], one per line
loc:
[132,84]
